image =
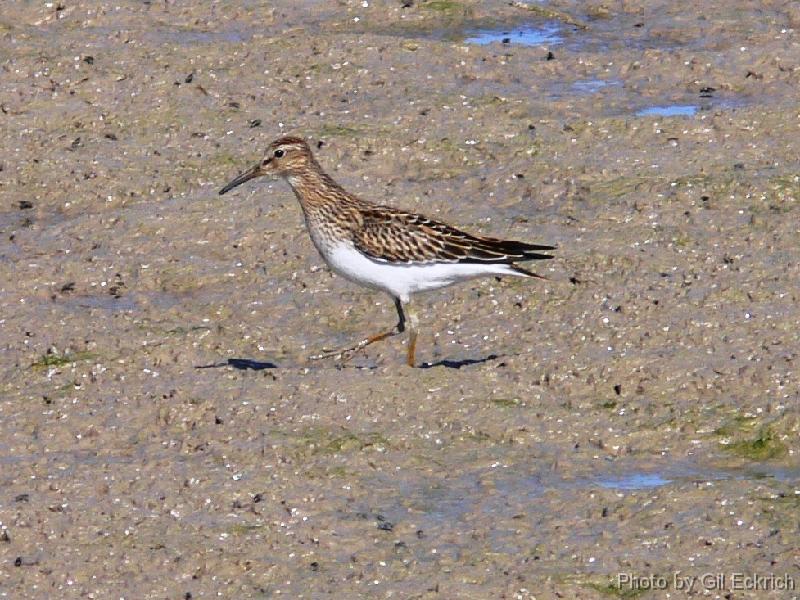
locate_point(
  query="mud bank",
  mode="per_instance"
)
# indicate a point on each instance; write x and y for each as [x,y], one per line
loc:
[164,434]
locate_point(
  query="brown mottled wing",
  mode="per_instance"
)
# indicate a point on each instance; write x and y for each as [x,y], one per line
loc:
[390,235]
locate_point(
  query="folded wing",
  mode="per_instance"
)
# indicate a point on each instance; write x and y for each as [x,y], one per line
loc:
[391,235]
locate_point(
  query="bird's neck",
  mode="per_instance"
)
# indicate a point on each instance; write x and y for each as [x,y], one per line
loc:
[314,188]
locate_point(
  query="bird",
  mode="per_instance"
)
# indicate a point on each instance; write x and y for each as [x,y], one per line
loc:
[384,248]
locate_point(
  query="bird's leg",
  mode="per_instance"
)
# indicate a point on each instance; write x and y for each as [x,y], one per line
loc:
[350,350]
[413,327]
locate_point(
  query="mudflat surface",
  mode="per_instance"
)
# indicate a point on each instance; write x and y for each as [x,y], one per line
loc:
[163,433]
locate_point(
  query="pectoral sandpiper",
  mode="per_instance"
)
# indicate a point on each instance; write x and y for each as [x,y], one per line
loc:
[381,247]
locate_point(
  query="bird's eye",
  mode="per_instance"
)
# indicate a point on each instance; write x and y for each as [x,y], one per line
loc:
[278,153]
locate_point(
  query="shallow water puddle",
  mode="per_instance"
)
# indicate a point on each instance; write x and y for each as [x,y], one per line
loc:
[678,474]
[525,35]
[669,110]
[502,492]
[111,303]
[504,501]
[690,110]
[591,86]
[583,88]
[634,481]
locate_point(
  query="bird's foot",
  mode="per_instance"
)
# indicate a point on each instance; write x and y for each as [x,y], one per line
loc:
[348,352]
[344,354]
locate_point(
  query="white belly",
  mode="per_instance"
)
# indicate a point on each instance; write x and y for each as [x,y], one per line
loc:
[402,280]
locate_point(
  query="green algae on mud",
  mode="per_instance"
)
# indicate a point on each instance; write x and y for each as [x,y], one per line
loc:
[765,446]
[754,438]
[507,402]
[446,6]
[612,589]
[315,441]
[49,360]
[547,12]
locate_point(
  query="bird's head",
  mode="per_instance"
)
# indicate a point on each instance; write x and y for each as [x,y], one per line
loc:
[284,157]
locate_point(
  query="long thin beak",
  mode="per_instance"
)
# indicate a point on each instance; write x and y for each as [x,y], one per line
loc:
[249,174]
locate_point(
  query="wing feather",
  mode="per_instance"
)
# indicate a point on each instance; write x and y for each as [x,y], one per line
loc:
[387,234]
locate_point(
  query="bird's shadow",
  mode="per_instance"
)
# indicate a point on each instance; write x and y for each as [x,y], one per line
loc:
[248,364]
[457,364]
[242,364]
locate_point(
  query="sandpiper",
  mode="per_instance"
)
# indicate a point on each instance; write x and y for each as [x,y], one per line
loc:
[384,248]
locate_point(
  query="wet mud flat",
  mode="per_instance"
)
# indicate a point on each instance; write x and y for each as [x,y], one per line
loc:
[164,435]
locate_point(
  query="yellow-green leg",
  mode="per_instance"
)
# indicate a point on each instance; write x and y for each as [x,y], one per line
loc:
[413,327]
